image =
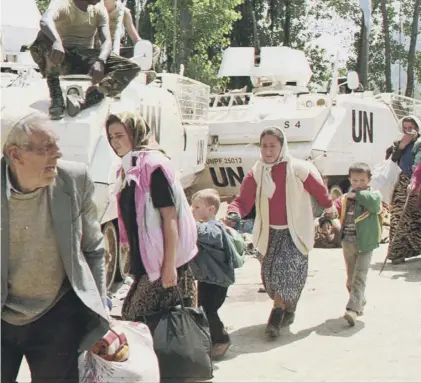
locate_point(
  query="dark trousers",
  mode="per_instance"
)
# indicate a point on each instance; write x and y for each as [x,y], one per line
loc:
[50,344]
[211,298]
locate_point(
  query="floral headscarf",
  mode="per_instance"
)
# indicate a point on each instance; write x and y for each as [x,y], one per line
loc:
[137,129]
[141,137]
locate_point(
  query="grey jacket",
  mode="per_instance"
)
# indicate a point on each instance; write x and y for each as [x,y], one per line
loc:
[214,263]
[79,239]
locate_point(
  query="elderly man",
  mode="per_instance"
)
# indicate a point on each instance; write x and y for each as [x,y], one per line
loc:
[52,257]
[65,45]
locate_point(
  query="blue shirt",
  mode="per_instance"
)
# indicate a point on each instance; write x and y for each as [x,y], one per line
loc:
[407,159]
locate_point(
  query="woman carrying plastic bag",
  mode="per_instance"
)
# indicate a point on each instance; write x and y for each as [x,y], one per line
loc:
[384,179]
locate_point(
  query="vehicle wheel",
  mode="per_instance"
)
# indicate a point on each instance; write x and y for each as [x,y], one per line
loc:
[335,191]
[123,265]
[111,252]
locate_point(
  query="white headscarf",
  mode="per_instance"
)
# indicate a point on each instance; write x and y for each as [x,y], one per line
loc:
[263,170]
[126,165]
[415,118]
[268,185]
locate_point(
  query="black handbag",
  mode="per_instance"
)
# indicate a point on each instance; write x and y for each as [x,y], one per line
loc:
[182,343]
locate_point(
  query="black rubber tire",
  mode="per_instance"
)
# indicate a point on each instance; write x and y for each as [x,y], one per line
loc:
[111,246]
[123,265]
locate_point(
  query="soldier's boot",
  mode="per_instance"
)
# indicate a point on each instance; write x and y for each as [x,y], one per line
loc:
[57,106]
[75,104]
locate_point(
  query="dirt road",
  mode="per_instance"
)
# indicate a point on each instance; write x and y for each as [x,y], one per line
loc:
[319,347]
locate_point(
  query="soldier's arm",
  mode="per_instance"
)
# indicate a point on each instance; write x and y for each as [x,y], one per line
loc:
[106,43]
[130,28]
[104,36]
[48,25]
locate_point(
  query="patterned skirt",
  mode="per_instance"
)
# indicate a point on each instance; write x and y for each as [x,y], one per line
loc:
[284,268]
[405,223]
[145,297]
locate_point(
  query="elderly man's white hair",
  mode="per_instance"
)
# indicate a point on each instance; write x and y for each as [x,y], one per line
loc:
[17,124]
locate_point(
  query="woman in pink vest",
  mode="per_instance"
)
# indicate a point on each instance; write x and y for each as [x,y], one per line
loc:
[280,187]
[155,221]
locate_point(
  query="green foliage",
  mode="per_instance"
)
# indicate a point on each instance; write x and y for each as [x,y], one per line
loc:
[42,5]
[200,30]
[418,67]
[321,65]
[399,50]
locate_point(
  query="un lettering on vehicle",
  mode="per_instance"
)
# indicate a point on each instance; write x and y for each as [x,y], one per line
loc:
[362,126]
[225,176]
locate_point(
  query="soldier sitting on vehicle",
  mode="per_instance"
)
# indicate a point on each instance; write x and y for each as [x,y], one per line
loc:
[65,45]
[114,7]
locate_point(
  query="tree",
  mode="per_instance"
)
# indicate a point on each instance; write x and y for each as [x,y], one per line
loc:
[380,59]
[299,16]
[412,50]
[281,15]
[289,23]
[146,30]
[363,54]
[247,32]
[418,67]
[200,30]
[363,44]
[387,46]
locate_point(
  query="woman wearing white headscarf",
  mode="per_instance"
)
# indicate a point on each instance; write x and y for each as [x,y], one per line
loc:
[280,187]
[405,222]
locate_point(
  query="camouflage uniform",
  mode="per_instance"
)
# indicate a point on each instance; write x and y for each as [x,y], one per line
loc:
[118,71]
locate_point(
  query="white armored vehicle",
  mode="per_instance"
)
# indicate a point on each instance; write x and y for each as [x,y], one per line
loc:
[18,29]
[331,129]
[175,108]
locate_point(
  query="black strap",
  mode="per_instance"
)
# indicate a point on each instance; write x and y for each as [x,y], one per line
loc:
[180,296]
[156,313]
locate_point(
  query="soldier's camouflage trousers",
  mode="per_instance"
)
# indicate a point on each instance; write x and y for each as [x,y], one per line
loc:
[118,70]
